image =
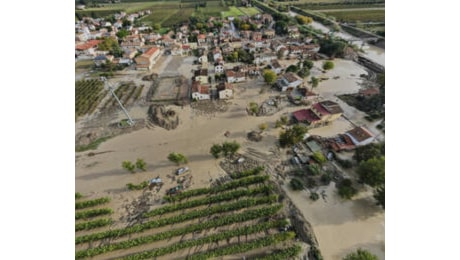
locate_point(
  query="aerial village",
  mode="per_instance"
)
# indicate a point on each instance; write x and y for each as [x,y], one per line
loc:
[236,80]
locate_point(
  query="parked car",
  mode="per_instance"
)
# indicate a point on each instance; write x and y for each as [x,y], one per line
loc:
[182,170]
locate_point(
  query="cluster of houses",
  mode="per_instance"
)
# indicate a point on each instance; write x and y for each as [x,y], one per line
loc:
[143,46]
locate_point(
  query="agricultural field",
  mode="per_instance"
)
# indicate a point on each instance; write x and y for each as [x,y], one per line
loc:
[241,216]
[354,15]
[233,11]
[339,6]
[249,10]
[88,95]
[128,93]
[91,214]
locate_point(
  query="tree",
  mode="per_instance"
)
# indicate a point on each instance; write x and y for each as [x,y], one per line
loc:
[360,254]
[314,82]
[319,157]
[372,150]
[140,164]
[126,23]
[308,63]
[332,47]
[177,158]
[269,76]
[292,68]
[346,189]
[372,171]
[296,184]
[254,108]
[314,169]
[379,195]
[328,65]
[128,166]
[303,19]
[157,26]
[304,72]
[230,148]
[122,33]
[293,135]
[216,150]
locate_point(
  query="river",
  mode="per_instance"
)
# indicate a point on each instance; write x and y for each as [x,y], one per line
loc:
[372,52]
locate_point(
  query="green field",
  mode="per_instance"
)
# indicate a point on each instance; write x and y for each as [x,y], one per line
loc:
[233,11]
[338,6]
[361,16]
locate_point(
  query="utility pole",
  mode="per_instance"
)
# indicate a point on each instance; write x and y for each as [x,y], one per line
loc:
[130,120]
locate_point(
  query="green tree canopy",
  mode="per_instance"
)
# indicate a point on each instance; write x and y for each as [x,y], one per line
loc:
[372,171]
[346,189]
[292,135]
[122,33]
[303,19]
[360,254]
[379,196]
[177,158]
[292,68]
[308,63]
[372,150]
[269,76]
[141,165]
[328,65]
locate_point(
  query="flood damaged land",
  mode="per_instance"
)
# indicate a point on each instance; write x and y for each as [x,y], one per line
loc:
[229,178]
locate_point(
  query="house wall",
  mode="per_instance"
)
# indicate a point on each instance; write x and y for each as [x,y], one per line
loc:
[199,96]
[202,79]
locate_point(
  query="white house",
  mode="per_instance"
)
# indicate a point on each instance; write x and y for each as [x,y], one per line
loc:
[225,90]
[233,76]
[200,92]
[289,81]
[264,57]
[218,68]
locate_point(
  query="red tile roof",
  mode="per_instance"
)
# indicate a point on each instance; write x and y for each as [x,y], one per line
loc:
[360,133]
[150,52]
[87,45]
[320,109]
[305,115]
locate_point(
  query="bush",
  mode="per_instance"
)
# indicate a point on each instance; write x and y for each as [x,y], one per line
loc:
[296,184]
[177,158]
[328,65]
[346,190]
[314,169]
[253,108]
[319,157]
[347,164]
[140,164]
[311,183]
[128,166]
[263,126]
[216,150]
[314,196]
[326,179]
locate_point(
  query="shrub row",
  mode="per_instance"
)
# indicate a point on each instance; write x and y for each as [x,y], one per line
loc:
[93,224]
[247,230]
[223,221]
[92,213]
[226,186]
[91,203]
[208,200]
[177,219]
[243,247]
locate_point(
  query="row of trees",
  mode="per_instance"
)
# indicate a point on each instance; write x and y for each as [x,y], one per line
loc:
[139,164]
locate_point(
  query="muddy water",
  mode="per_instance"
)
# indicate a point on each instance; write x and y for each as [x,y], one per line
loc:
[372,52]
[343,226]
